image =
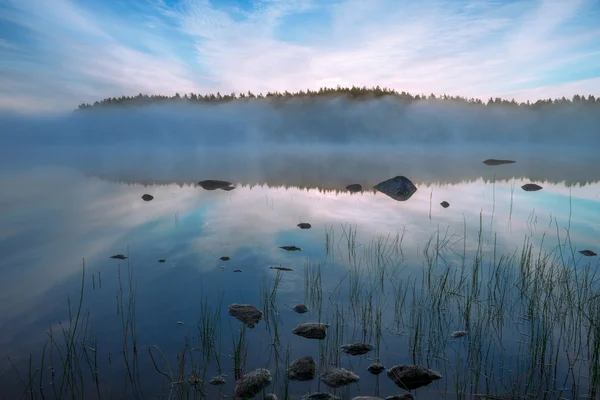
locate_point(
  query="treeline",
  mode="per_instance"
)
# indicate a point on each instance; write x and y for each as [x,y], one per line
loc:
[354,92]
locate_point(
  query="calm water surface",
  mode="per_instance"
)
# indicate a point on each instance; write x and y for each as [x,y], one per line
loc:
[395,274]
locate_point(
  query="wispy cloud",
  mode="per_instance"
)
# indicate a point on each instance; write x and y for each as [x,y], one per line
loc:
[54,55]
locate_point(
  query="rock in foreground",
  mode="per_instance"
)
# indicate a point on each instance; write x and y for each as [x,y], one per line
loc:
[398,188]
[302,369]
[338,377]
[311,330]
[375,368]
[409,377]
[357,349]
[246,313]
[253,383]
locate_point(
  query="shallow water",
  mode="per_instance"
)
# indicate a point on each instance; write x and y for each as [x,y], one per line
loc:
[73,208]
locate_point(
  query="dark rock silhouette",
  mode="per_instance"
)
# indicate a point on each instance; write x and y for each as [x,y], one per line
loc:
[238,270]
[304,225]
[409,377]
[225,258]
[119,256]
[290,248]
[253,383]
[357,349]
[531,187]
[311,330]
[376,368]
[319,396]
[280,268]
[493,161]
[588,253]
[217,380]
[398,188]
[246,313]
[338,377]
[212,184]
[445,204]
[355,187]
[300,308]
[147,197]
[458,334]
[162,261]
[228,188]
[302,369]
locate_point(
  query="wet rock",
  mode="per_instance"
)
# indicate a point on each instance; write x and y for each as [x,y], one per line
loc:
[224,258]
[304,225]
[338,377]
[458,334]
[217,380]
[290,248]
[161,261]
[398,188]
[409,377]
[493,161]
[302,369]
[311,330]
[271,396]
[355,187]
[320,396]
[211,184]
[406,396]
[376,368]
[280,268]
[147,197]
[588,253]
[357,349]
[119,257]
[238,270]
[300,308]
[445,204]
[253,383]
[246,313]
[531,187]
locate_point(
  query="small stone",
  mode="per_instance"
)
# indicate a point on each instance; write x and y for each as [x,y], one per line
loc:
[493,161]
[588,253]
[304,225]
[338,377]
[531,187]
[376,368]
[311,330]
[354,188]
[119,256]
[224,258]
[217,380]
[410,377]
[290,248]
[445,204]
[300,308]
[357,349]
[458,334]
[147,197]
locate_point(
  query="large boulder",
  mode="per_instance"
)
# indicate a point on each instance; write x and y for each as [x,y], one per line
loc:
[398,188]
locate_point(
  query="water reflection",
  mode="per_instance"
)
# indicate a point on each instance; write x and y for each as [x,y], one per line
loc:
[59,216]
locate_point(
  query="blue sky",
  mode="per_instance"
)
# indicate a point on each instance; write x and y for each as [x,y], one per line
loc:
[55,54]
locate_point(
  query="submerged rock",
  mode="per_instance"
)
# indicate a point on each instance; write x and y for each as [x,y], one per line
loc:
[304,225]
[290,248]
[217,380]
[319,396]
[355,187]
[162,261]
[588,253]
[280,268]
[253,383]
[300,308]
[302,369]
[311,330]
[531,187]
[493,161]
[246,313]
[147,197]
[458,334]
[375,368]
[398,188]
[409,377]
[338,377]
[238,270]
[357,349]
[445,204]
[119,256]
[212,184]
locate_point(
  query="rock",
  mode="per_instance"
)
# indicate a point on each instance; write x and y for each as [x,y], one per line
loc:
[409,377]
[271,396]
[531,187]
[179,322]
[493,161]
[246,313]
[253,383]
[406,396]
[161,261]
[225,258]
[588,253]
[311,330]
[398,188]
[375,368]
[290,248]
[194,380]
[217,380]
[445,204]
[211,184]
[238,270]
[338,377]
[228,188]
[304,225]
[357,349]
[280,268]
[458,334]
[119,256]
[320,396]
[355,187]
[302,369]
[300,308]
[147,197]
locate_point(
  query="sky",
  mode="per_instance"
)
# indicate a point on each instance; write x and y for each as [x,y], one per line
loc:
[56,54]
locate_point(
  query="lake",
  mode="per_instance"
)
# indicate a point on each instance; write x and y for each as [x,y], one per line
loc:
[501,264]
